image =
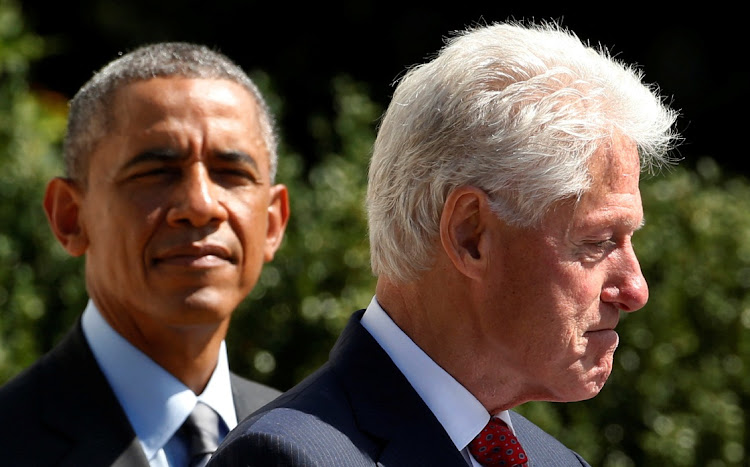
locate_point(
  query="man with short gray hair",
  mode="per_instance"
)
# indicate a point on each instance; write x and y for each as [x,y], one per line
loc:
[169,194]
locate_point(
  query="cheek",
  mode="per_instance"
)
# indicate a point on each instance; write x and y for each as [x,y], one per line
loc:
[250,224]
[563,303]
[579,283]
[587,290]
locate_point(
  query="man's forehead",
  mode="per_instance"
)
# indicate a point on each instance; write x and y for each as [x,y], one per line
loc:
[614,160]
[141,103]
[213,88]
[166,116]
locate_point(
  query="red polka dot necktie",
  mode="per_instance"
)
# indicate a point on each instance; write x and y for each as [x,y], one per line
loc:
[497,445]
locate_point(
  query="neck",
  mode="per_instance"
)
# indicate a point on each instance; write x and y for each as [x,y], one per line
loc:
[189,352]
[190,355]
[446,326]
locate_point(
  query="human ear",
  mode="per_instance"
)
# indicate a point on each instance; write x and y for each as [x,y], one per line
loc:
[62,204]
[278,217]
[463,229]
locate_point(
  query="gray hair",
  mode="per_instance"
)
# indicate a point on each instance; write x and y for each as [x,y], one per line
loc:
[90,116]
[515,110]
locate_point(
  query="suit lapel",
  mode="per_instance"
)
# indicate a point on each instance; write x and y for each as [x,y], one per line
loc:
[243,404]
[385,404]
[249,396]
[84,411]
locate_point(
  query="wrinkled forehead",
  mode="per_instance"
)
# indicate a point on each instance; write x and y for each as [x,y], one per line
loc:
[615,162]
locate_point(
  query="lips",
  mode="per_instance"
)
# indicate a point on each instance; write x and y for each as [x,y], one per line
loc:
[603,327]
[203,255]
[609,317]
[603,331]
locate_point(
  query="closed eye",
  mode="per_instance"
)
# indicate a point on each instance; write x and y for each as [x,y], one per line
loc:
[592,252]
[605,244]
[152,163]
[234,175]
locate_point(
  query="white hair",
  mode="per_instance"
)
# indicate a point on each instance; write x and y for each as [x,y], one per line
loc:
[515,110]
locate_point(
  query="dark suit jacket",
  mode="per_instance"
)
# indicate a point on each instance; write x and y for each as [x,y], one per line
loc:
[61,411]
[359,410]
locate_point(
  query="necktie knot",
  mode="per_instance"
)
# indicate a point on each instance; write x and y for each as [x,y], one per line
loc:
[201,432]
[497,445]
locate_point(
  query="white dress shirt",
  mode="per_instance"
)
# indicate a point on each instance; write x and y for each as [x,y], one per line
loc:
[155,402]
[458,411]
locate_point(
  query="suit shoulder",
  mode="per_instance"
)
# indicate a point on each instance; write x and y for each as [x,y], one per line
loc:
[37,382]
[318,394]
[23,399]
[20,392]
[311,424]
[42,378]
[292,437]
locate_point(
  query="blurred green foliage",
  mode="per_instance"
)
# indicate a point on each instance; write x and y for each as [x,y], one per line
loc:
[36,278]
[680,387]
[321,273]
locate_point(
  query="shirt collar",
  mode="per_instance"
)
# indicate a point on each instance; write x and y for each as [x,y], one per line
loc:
[155,402]
[458,411]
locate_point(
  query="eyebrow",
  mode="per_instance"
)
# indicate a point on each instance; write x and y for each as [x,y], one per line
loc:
[634,226]
[238,156]
[171,155]
[153,155]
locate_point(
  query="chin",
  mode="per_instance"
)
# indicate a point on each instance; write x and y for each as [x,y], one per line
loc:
[203,306]
[209,297]
[596,381]
[589,380]
[587,391]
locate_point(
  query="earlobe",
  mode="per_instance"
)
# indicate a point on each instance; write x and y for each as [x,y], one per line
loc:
[278,217]
[463,228]
[62,204]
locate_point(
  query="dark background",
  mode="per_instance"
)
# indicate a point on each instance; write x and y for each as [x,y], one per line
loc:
[698,58]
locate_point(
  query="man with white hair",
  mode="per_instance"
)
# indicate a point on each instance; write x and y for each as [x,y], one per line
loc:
[503,196]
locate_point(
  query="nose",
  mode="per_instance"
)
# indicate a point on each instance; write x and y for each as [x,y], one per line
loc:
[196,199]
[627,288]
